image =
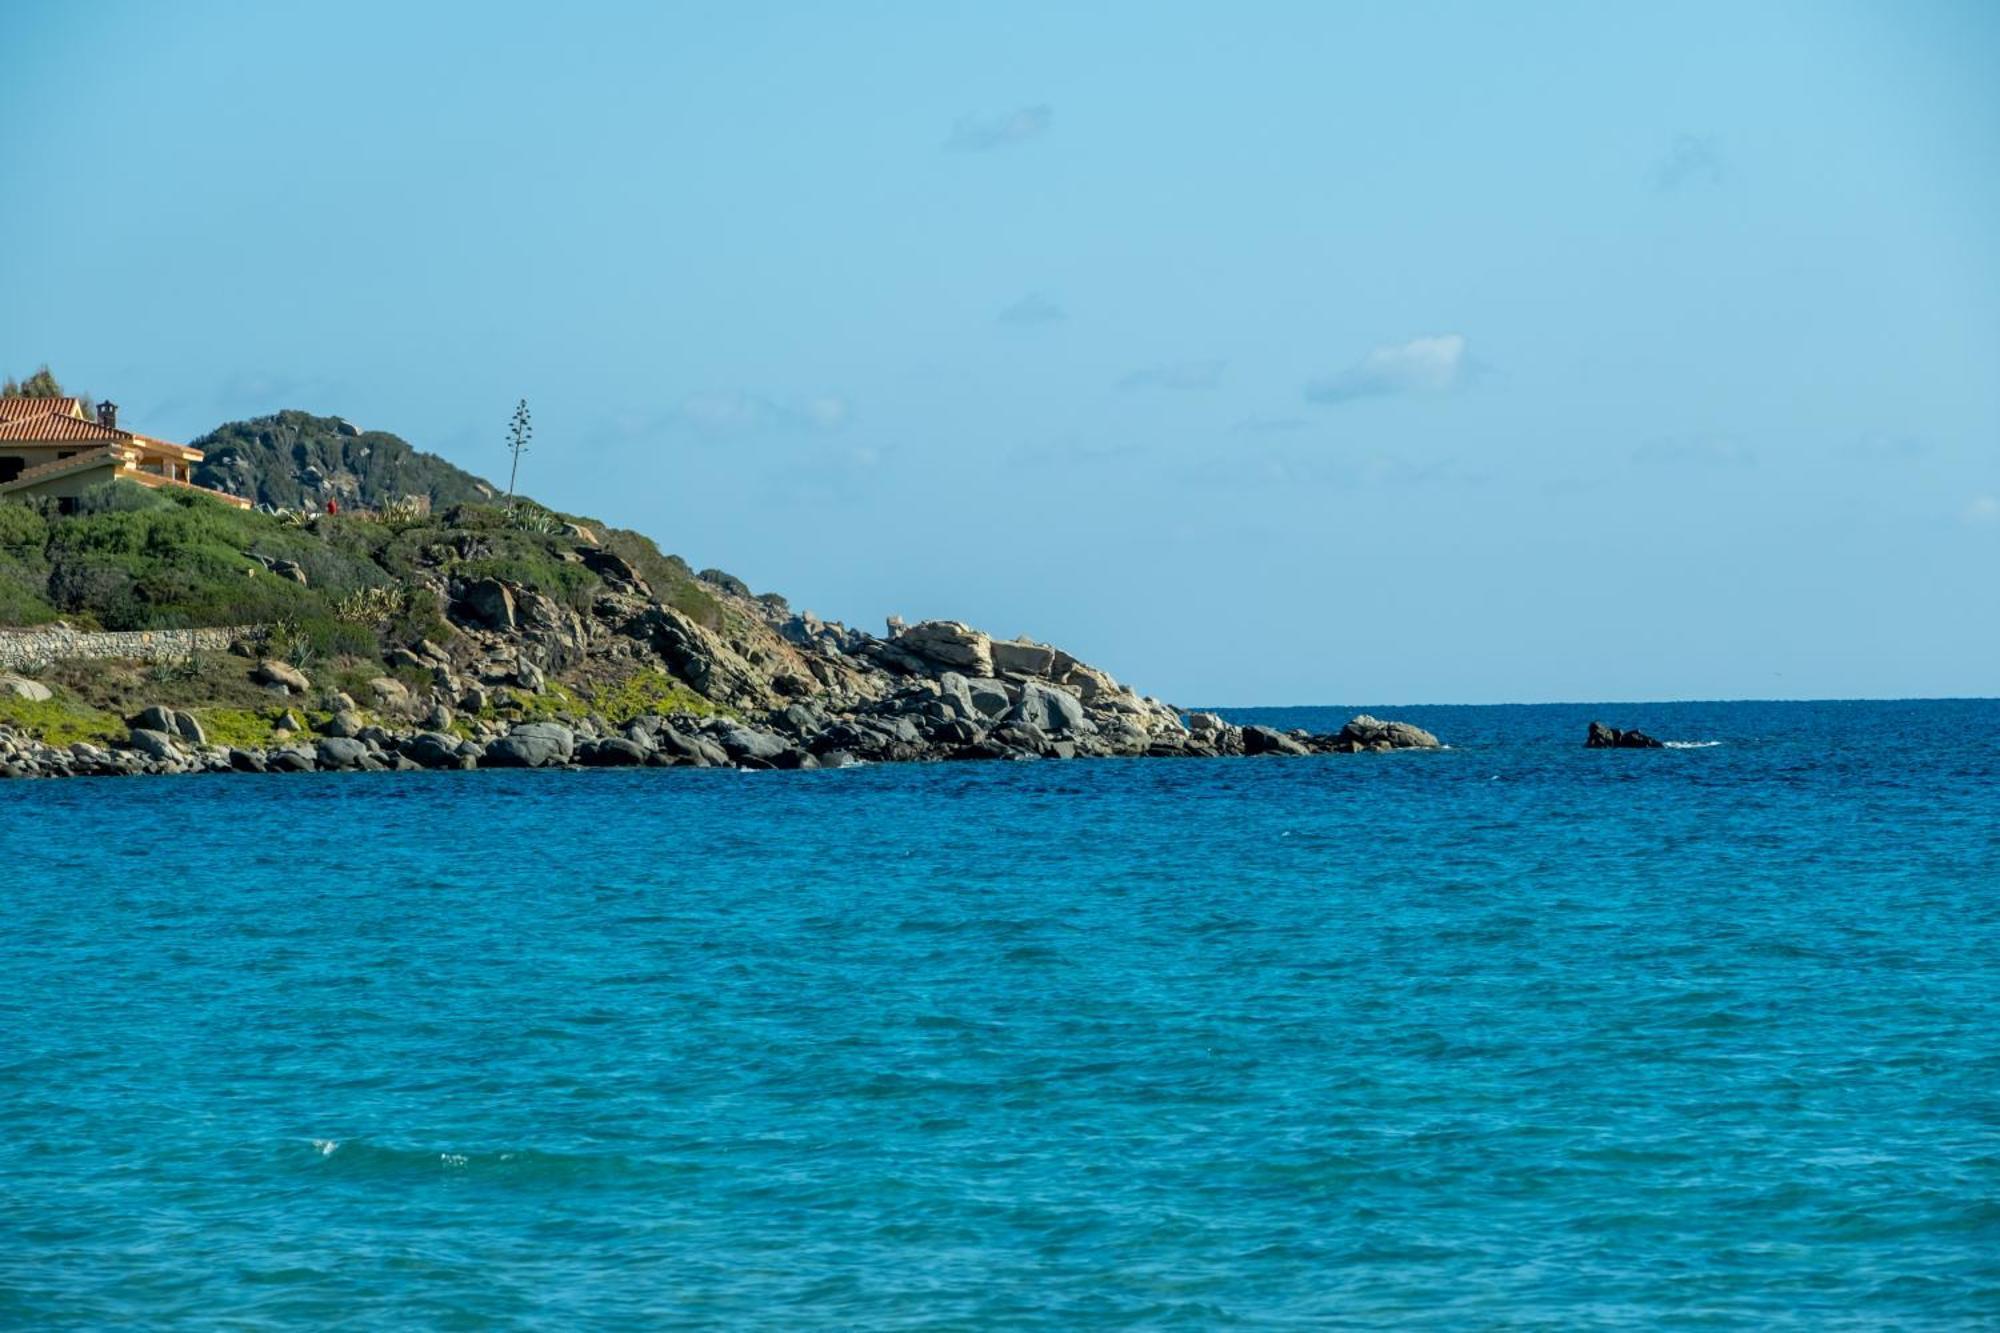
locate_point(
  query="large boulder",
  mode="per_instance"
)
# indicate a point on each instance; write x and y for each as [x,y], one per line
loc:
[955,693]
[613,752]
[155,718]
[154,744]
[434,749]
[1054,711]
[990,698]
[280,675]
[1372,733]
[1269,740]
[488,602]
[532,745]
[1204,724]
[389,694]
[344,724]
[696,749]
[748,743]
[948,643]
[20,687]
[1023,656]
[340,752]
[1601,737]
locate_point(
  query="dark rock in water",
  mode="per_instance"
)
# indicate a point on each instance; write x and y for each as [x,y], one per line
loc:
[432,749]
[1371,733]
[749,743]
[1266,740]
[338,752]
[1602,737]
[612,752]
[291,761]
[698,749]
[532,745]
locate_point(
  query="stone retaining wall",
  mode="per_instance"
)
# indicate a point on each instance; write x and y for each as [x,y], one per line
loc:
[26,648]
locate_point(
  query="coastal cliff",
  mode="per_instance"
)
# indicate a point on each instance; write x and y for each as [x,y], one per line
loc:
[399,632]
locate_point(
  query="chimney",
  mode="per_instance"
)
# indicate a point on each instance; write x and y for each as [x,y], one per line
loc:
[107,415]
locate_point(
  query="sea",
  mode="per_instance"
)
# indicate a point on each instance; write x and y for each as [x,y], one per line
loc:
[1514,1034]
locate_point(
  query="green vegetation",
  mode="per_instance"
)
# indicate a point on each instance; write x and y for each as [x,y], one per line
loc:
[519,431]
[279,461]
[647,691]
[134,559]
[330,593]
[60,720]
[42,384]
[244,728]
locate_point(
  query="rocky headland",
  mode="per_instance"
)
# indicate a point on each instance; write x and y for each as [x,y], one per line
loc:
[786,691]
[445,628]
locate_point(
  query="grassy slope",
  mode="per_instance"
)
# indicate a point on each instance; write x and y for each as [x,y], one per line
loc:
[143,559]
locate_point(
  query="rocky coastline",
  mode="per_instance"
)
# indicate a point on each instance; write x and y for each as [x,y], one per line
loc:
[789,693]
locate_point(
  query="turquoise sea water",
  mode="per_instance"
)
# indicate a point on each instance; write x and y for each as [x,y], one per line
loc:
[1514,1034]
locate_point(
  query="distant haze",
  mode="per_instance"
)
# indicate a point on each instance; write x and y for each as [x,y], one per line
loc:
[1259,353]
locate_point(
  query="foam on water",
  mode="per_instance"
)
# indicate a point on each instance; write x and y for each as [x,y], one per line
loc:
[1514,1034]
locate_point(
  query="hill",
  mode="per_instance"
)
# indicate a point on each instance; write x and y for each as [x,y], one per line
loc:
[469,632]
[295,460]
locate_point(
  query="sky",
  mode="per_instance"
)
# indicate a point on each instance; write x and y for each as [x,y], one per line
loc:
[1258,353]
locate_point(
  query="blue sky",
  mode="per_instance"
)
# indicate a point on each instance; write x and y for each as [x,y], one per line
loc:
[1260,353]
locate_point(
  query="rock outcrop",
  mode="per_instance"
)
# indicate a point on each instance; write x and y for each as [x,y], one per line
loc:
[1602,737]
[526,679]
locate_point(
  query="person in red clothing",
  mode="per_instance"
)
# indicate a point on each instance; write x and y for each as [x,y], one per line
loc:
[332,505]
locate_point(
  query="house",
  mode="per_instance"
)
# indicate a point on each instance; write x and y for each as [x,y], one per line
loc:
[50,449]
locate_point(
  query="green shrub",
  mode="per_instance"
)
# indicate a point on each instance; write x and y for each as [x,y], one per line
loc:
[696,605]
[22,529]
[726,581]
[244,728]
[60,720]
[649,691]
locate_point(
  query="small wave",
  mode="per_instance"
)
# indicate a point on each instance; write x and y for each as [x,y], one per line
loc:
[1691,745]
[525,1166]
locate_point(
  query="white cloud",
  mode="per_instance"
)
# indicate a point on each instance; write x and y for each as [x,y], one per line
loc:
[1697,450]
[1175,375]
[1032,310]
[1429,365]
[1261,425]
[1693,159]
[1983,509]
[744,413]
[978,134]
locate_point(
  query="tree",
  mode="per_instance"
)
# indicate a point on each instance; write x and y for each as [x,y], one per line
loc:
[41,384]
[519,431]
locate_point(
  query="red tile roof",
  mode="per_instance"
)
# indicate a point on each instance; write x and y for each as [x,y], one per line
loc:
[35,407]
[51,426]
